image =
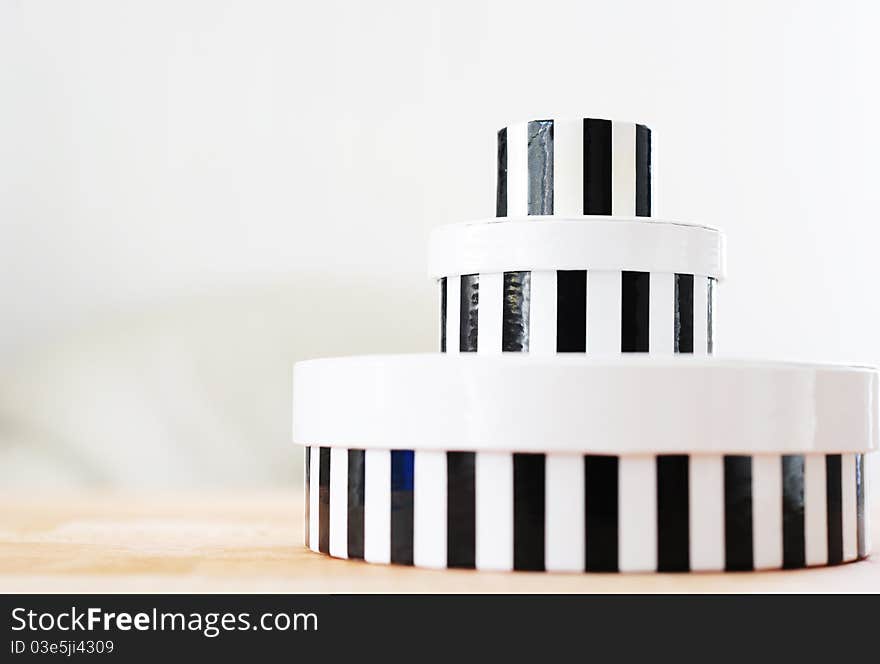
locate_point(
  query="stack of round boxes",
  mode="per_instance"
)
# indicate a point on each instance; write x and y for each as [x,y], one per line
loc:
[573,420]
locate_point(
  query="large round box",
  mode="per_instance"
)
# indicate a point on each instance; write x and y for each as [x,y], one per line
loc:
[580,464]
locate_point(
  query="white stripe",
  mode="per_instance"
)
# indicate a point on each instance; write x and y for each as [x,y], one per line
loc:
[868,466]
[453,313]
[314,480]
[568,167]
[706,475]
[307,462]
[339,502]
[490,313]
[712,287]
[517,170]
[494,510]
[637,496]
[603,312]
[377,506]
[767,511]
[542,314]
[656,174]
[848,505]
[815,510]
[701,315]
[564,513]
[623,169]
[661,312]
[429,509]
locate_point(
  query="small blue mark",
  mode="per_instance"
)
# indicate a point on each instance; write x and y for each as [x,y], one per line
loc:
[402,470]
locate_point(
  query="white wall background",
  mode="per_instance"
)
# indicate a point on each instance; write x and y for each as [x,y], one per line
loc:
[193,194]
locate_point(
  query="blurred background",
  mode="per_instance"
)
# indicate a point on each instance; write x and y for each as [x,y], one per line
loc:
[195,194]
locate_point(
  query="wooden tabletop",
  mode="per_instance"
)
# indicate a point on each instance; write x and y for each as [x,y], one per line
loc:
[247,542]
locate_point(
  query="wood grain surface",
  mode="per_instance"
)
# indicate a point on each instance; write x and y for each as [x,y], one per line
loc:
[252,542]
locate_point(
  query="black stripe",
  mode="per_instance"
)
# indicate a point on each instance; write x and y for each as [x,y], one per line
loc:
[540,157]
[501,186]
[601,512]
[515,317]
[862,549]
[308,490]
[528,511]
[402,507]
[356,479]
[673,516]
[443,315]
[684,313]
[571,311]
[834,497]
[468,319]
[738,513]
[324,500]
[597,166]
[710,327]
[635,296]
[643,171]
[461,514]
[793,542]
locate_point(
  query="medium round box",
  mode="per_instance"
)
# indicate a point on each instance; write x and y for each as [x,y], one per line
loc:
[597,285]
[581,464]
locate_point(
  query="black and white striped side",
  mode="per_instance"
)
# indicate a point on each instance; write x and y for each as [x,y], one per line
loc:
[597,312]
[574,167]
[564,512]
